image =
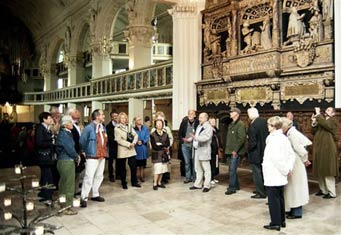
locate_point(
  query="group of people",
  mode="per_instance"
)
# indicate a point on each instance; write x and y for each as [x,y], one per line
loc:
[276,152]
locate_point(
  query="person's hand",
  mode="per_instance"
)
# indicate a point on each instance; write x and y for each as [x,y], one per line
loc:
[307,163]
[317,110]
[78,160]
[132,145]
[139,142]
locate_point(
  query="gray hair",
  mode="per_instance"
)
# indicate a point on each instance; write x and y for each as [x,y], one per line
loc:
[252,113]
[286,123]
[66,119]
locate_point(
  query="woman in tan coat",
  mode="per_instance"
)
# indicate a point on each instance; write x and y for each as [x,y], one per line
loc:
[126,139]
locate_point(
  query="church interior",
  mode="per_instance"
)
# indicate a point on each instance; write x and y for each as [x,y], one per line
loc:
[142,57]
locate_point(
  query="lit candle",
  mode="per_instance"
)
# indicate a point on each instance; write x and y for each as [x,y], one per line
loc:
[62,199]
[35,183]
[76,202]
[8,215]
[7,201]
[39,230]
[17,169]
[2,187]
[29,206]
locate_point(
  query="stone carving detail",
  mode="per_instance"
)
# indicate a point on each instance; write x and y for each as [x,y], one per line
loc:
[302,91]
[253,96]
[43,60]
[214,96]
[140,35]
[93,12]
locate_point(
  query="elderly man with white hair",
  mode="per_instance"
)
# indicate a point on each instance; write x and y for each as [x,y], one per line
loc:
[257,133]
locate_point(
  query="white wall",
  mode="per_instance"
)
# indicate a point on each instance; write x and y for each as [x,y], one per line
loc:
[337,41]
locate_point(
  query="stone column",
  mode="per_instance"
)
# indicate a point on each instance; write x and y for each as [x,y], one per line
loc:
[186,57]
[101,61]
[95,105]
[337,62]
[276,27]
[139,32]
[75,70]
[135,108]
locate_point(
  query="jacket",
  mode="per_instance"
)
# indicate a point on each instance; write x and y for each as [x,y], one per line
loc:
[202,142]
[88,141]
[158,143]
[44,142]
[325,162]
[65,146]
[123,146]
[142,150]
[236,138]
[111,139]
[183,128]
[257,133]
[278,159]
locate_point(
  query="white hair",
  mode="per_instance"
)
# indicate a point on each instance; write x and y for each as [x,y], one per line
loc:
[66,119]
[70,110]
[252,113]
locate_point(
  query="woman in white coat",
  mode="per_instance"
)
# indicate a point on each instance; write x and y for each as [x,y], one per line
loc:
[296,192]
[277,164]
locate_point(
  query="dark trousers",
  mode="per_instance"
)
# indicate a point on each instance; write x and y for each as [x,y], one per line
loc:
[258,181]
[111,168]
[46,177]
[213,163]
[121,164]
[276,204]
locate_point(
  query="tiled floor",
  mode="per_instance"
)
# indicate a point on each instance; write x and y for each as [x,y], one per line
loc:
[177,210]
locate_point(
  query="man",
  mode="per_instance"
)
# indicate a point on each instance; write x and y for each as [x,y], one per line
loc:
[234,148]
[112,146]
[257,133]
[94,144]
[76,133]
[202,153]
[325,162]
[188,127]
[290,116]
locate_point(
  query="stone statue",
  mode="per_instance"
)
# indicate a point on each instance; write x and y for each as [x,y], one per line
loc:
[327,9]
[92,21]
[229,38]
[247,33]
[207,35]
[130,8]
[296,27]
[266,41]
[215,43]
[315,27]
[67,40]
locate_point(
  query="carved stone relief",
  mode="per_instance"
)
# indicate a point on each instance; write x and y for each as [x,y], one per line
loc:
[302,91]
[253,96]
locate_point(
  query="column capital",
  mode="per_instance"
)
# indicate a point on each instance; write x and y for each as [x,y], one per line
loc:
[186,9]
[140,35]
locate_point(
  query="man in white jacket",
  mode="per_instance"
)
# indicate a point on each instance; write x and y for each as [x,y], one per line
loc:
[202,153]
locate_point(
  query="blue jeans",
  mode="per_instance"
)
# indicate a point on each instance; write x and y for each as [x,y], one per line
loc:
[189,166]
[233,165]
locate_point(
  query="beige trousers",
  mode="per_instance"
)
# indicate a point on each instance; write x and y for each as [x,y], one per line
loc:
[327,185]
[202,168]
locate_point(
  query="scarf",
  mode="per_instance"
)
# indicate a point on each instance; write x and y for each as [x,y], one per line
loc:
[100,130]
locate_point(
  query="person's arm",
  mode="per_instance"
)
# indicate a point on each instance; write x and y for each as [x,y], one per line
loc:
[64,141]
[329,125]
[240,137]
[252,140]
[145,136]
[119,139]
[205,135]
[83,138]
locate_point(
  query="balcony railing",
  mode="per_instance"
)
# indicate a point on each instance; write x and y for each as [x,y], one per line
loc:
[152,78]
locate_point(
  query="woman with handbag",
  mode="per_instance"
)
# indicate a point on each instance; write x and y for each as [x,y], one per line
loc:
[160,153]
[126,140]
[67,155]
[45,156]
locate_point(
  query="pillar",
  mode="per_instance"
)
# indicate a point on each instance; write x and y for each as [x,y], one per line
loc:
[276,27]
[186,57]
[75,70]
[337,41]
[135,108]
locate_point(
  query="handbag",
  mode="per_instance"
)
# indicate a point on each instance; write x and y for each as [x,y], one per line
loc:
[130,137]
[165,157]
[46,156]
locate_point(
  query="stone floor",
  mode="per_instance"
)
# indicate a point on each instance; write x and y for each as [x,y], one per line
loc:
[177,210]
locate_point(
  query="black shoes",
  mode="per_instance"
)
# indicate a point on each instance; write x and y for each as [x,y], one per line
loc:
[328,196]
[161,186]
[112,179]
[258,196]
[137,185]
[193,188]
[319,193]
[83,203]
[155,187]
[124,186]
[205,190]
[272,227]
[97,199]
[283,224]
[229,192]
[294,217]
[187,181]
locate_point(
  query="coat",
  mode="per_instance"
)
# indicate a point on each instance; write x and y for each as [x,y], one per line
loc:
[278,159]
[325,162]
[123,150]
[111,139]
[296,192]
[142,150]
[88,140]
[158,143]
[202,142]
[257,133]
[236,138]
[44,141]
[65,146]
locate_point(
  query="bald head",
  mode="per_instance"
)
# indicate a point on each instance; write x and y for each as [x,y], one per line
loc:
[203,117]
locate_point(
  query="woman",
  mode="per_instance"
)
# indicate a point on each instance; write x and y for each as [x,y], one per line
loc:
[215,146]
[65,148]
[141,147]
[277,165]
[44,142]
[296,192]
[126,140]
[160,151]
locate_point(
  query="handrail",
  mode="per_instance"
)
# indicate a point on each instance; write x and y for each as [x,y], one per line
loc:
[154,77]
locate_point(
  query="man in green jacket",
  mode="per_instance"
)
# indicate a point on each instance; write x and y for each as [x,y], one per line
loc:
[234,148]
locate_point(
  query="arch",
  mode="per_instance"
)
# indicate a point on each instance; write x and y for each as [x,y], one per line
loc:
[106,18]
